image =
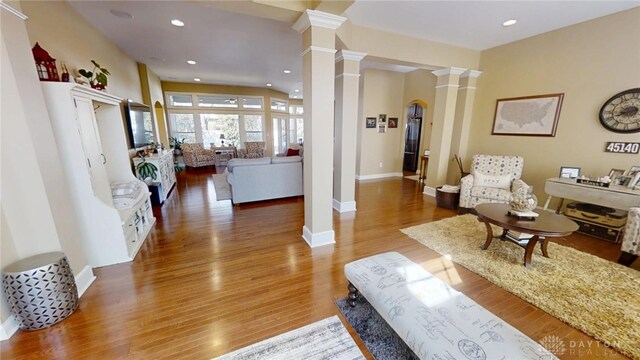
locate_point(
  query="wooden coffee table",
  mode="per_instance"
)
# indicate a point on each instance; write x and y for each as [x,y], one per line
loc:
[545,226]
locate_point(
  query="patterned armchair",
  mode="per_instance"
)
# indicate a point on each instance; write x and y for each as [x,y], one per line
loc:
[252,149]
[195,155]
[631,240]
[492,180]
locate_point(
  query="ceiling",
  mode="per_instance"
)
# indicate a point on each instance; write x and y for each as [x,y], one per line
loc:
[232,48]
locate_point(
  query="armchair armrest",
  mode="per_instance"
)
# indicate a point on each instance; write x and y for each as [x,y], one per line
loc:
[466,183]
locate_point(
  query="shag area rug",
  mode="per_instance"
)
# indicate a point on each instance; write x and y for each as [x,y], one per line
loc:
[322,340]
[596,296]
[223,191]
[379,338]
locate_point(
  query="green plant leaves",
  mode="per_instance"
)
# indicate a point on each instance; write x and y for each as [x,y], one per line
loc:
[146,170]
[85,73]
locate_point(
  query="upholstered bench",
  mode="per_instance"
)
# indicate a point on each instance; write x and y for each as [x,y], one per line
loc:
[433,319]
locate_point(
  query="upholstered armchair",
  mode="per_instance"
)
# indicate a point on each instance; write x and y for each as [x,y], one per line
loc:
[631,240]
[252,150]
[195,155]
[492,180]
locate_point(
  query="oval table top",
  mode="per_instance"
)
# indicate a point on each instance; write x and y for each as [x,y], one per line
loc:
[546,224]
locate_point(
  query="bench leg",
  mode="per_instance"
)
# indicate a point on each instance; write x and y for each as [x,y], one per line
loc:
[353,295]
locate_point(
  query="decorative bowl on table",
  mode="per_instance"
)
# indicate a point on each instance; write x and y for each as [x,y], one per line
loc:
[523,200]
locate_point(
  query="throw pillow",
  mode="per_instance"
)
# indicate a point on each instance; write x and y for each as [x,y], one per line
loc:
[492,181]
[293,152]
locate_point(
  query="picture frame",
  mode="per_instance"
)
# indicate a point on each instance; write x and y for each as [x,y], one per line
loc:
[615,172]
[621,180]
[382,128]
[528,115]
[569,172]
[635,169]
[371,123]
[382,118]
[393,123]
[635,181]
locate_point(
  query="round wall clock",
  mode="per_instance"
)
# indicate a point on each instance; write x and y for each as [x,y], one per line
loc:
[621,113]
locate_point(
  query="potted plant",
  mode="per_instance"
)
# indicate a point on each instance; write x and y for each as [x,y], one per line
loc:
[177,145]
[147,170]
[97,77]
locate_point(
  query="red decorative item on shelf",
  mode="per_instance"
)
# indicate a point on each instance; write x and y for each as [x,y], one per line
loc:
[45,64]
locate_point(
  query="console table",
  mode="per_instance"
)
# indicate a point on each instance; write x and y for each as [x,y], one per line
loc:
[617,197]
[224,154]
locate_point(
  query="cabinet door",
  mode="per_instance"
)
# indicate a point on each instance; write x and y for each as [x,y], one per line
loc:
[93,149]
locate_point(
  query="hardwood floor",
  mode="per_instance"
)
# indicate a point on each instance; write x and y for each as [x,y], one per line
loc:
[213,277]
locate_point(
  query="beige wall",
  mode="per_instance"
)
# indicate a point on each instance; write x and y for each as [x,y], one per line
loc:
[382,93]
[152,95]
[267,94]
[420,86]
[589,63]
[71,40]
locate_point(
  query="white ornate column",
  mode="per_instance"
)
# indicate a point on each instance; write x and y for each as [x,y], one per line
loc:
[347,86]
[444,111]
[462,124]
[318,66]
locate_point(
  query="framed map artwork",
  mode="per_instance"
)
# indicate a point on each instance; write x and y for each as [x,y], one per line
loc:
[527,116]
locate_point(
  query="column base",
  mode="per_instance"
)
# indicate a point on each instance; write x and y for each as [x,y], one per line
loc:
[345,206]
[429,191]
[319,238]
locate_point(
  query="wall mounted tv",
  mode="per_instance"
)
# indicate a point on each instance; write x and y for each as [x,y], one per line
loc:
[139,124]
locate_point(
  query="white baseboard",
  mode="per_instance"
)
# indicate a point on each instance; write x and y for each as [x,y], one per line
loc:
[379,176]
[83,280]
[318,239]
[344,206]
[429,191]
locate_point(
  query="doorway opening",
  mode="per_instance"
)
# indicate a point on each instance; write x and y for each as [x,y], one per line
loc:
[412,132]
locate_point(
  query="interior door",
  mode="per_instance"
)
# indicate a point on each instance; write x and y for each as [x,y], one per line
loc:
[412,138]
[93,149]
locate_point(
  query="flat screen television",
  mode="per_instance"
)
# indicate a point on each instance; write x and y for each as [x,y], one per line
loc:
[139,124]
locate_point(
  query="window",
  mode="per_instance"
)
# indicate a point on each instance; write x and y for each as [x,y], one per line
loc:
[252,103]
[253,127]
[218,101]
[180,100]
[279,105]
[183,126]
[214,125]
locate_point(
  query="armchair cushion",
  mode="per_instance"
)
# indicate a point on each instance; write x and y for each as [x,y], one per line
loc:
[492,181]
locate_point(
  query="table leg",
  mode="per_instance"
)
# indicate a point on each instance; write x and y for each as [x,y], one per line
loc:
[489,236]
[543,245]
[560,206]
[546,203]
[528,251]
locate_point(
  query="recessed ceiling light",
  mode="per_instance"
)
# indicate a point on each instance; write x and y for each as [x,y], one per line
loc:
[296,90]
[176,22]
[121,14]
[295,97]
[509,22]
[191,62]
[287,71]
[269,84]
[196,79]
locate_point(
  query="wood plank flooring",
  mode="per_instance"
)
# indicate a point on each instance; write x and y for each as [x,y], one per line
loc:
[212,278]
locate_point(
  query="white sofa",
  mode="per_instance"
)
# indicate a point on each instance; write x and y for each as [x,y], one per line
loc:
[264,178]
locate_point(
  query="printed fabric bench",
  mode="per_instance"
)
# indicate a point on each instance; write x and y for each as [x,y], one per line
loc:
[435,320]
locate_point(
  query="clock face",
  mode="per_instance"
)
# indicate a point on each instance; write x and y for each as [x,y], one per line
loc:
[621,113]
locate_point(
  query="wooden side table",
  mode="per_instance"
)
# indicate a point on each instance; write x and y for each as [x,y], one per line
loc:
[424,161]
[224,154]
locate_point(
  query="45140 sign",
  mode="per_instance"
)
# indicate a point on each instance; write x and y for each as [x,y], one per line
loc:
[622,147]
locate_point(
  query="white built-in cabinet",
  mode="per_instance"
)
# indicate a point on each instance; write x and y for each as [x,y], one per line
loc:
[166,170]
[91,139]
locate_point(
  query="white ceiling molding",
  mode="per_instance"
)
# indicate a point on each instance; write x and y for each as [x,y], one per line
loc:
[449,71]
[13,11]
[319,49]
[471,74]
[349,55]
[319,19]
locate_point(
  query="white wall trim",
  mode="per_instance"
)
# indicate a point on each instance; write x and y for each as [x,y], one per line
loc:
[317,48]
[318,239]
[467,88]
[429,191]
[455,86]
[8,328]
[84,279]
[346,206]
[378,176]
[471,74]
[319,19]
[449,71]
[349,55]
[348,75]
[13,11]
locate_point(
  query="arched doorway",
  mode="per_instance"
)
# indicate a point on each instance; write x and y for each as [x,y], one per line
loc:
[161,126]
[412,133]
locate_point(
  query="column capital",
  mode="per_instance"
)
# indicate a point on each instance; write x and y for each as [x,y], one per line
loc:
[448,71]
[471,74]
[349,55]
[317,18]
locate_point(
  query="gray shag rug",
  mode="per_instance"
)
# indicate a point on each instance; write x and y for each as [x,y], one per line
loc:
[223,191]
[381,341]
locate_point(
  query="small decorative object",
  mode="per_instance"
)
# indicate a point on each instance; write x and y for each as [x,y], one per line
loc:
[222,139]
[621,113]
[622,147]
[371,123]
[147,170]
[45,64]
[177,145]
[393,123]
[382,118]
[528,116]
[615,172]
[65,74]
[97,78]
[593,182]
[567,172]
[523,199]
